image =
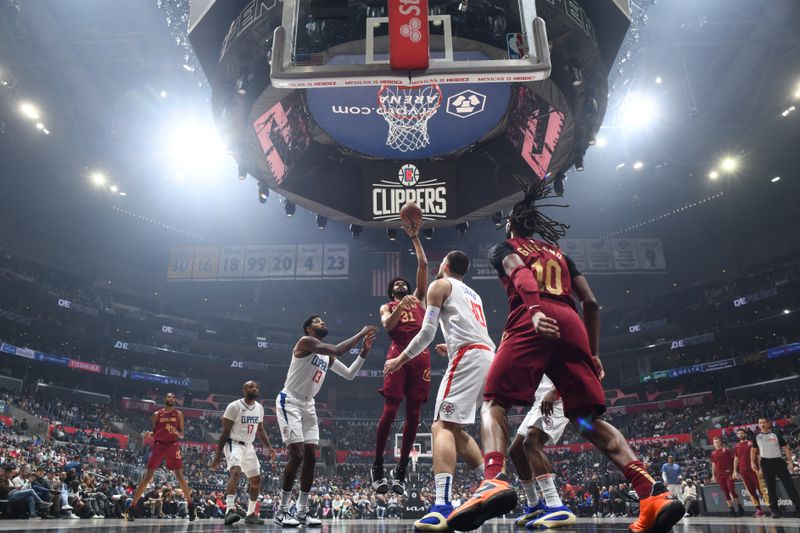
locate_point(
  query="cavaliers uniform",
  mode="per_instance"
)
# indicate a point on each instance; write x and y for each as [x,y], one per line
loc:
[749,476]
[239,450]
[554,424]
[722,461]
[166,443]
[470,352]
[413,380]
[524,356]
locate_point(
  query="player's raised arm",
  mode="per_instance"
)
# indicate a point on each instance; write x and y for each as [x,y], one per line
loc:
[422,262]
[308,345]
[350,372]
[437,294]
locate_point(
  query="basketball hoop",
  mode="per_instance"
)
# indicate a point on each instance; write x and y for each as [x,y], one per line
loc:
[407,109]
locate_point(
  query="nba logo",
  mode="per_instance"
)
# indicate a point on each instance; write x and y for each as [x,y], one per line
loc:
[408,175]
[516,45]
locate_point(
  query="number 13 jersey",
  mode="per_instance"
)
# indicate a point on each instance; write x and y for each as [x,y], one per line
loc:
[306,376]
[245,420]
[462,319]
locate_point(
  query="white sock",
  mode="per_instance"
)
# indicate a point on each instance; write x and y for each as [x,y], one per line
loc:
[230,502]
[444,482]
[548,487]
[251,506]
[286,497]
[302,502]
[478,471]
[530,492]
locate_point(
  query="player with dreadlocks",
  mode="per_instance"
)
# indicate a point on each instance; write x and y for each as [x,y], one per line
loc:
[545,334]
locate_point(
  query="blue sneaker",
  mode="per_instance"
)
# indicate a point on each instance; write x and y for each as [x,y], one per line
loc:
[554,517]
[529,514]
[436,519]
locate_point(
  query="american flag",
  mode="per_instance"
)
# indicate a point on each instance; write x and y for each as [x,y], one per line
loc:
[382,275]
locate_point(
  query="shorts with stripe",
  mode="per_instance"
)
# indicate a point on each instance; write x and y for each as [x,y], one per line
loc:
[297,420]
[461,390]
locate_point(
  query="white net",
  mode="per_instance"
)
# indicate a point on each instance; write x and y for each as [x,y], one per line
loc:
[407,109]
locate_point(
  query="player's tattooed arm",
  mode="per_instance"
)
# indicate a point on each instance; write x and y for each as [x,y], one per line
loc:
[227,425]
[422,263]
[528,290]
[264,438]
[308,345]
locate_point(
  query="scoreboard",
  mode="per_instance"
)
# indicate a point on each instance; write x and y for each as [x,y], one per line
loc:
[259,262]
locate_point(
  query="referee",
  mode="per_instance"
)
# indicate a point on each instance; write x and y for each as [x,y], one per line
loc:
[767,445]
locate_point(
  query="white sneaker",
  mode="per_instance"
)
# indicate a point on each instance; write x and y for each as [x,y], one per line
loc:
[284,519]
[307,520]
[73,515]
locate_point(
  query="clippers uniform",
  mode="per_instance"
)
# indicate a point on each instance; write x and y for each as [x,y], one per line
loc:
[240,450]
[296,410]
[470,352]
[413,380]
[552,425]
[166,443]
[524,356]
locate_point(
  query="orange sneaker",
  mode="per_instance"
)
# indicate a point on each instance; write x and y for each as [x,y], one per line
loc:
[494,497]
[658,512]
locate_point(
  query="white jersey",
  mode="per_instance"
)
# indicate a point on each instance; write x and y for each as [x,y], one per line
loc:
[245,420]
[544,388]
[306,376]
[462,319]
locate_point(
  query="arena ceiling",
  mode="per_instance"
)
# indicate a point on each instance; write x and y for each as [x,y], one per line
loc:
[97,69]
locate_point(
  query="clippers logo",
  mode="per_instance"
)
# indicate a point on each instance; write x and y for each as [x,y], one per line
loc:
[411,30]
[389,197]
[466,104]
[548,422]
[448,408]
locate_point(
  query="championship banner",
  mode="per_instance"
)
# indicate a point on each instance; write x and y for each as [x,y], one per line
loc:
[259,262]
[731,430]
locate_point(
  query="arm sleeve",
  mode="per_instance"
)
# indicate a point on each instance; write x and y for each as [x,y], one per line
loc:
[497,254]
[426,334]
[230,411]
[574,272]
[348,372]
[526,286]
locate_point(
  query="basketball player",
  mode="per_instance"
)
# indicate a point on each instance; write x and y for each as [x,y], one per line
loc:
[543,426]
[297,414]
[167,430]
[722,472]
[743,469]
[459,310]
[544,334]
[402,318]
[242,422]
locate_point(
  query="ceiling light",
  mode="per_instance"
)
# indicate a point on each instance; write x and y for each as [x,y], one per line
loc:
[427,233]
[196,150]
[601,141]
[263,192]
[788,110]
[658,80]
[289,208]
[713,175]
[355,230]
[729,164]
[461,228]
[163,94]
[123,194]
[579,163]
[786,311]
[391,233]
[321,222]
[498,219]
[776,179]
[638,165]
[188,67]
[638,110]
[39,126]
[29,110]
[98,178]
[114,188]
[242,173]
[46,131]
[621,165]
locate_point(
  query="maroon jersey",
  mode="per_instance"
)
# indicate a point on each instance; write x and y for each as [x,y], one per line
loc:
[742,451]
[723,463]
[165,420]
[552,269]
[405,330]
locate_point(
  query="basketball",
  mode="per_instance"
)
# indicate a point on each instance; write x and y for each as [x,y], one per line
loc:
[411,214]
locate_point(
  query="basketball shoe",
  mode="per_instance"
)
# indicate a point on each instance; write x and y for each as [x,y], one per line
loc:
[553,517]
[399,480]
[494,497]
[530,513]
[379,483]
[658,512]
[436,519]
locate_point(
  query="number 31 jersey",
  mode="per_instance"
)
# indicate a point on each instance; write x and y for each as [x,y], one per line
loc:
[462,319]
[552,269]
[306,376]
[245,420]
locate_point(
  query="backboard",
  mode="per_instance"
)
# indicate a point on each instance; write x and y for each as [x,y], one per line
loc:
[376,43]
